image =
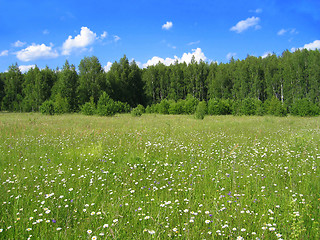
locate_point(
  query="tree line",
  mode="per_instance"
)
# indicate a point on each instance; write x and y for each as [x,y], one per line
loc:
[255,85]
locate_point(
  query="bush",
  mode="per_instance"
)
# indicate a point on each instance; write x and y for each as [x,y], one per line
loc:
[218,107]
[60,105]
[163,107]
[275,107]
[304,107]
[121,107]
[106,106]
[89,108]
[201,110]
[191,104]
[47,107]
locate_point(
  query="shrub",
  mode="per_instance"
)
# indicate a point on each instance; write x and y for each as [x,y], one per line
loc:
[60,105]
[163,107]
[201,110]
[106,106]
[275,107]
[218,107]
[47,107]
[191,104]
[304,107]
[89,108]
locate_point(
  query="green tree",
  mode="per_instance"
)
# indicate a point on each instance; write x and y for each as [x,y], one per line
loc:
[13,89]
[92,80]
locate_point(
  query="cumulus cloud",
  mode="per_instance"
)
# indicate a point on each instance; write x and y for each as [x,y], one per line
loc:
[107,67]
[167,25]
[80,42]
[25,68]
[245,24]
[312,46]
[18,44]
[35,51]
[186,57]
[4,53]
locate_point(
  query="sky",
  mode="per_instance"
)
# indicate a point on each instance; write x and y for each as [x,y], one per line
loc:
[47,33]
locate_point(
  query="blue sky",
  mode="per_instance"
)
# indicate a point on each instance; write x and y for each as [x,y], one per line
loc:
[49,32]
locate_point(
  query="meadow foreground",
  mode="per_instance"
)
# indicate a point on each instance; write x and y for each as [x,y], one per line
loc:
[159,177]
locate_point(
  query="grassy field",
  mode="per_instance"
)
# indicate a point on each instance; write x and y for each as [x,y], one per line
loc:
[159,177]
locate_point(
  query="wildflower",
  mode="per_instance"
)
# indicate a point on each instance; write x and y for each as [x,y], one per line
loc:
[89,231]
[243,229]
[1,230]
[207,221]
[151,232]
[115,220]
[175,230]
[59,228]
[240,238]
[92,213]
[94,238]
[48,211]
[272,229]
[29,229]
[146,217]
[105,225]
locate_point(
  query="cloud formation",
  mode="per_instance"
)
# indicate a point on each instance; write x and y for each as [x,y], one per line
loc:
[167,25]
[312,46]
[107,67]
[4,53]
[35,51]
[80,42]
[116,38]
[25,68]
[19,44]
[193,43]
[245,24]
[289,30]
[186,57]
[230,55]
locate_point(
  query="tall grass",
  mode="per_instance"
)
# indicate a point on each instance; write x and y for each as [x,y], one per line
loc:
[121,177]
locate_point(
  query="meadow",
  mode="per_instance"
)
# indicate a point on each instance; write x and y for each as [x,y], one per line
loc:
[159,177]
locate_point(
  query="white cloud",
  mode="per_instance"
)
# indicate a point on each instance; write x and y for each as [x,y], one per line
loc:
[186,57]
[34,52]
[245,24]
[258,10]
[282,32]
[230,55]
[289,30]
[25,68]
[167,25]
[266,54]
[103,35]
[45,32]
[19,44]
[81,41]
[312,46]
[193,43]
[116,38]
[4,53]
[107,67]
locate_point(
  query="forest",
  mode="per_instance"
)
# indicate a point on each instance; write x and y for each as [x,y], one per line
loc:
[275,85]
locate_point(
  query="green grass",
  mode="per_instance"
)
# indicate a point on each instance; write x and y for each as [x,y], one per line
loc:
[161,177]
